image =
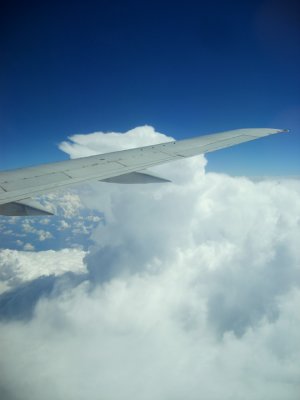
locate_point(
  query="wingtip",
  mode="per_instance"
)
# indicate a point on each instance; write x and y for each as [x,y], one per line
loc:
[284,130]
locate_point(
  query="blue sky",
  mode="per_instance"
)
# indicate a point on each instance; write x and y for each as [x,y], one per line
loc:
[187,68]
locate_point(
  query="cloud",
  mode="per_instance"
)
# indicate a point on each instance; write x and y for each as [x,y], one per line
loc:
[69,227]
[66,204]
[136,336]
[193,291]
[18,267]
[28,227]
[101,142]
[28,247]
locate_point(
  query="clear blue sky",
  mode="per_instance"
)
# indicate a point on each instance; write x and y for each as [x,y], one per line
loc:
[187,68]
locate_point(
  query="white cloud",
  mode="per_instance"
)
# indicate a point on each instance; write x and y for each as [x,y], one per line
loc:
[28,247]
[63,225]
[28,227]
[43,235]
[66,204]
[148,335]
[194,292]
[17,267]
[93,218]
[101,142]
[45,221]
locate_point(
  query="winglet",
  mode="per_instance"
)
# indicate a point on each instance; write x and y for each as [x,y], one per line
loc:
[284,130]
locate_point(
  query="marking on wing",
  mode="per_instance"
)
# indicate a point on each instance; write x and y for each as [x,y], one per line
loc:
[215,145]
[93,169]
[41,180]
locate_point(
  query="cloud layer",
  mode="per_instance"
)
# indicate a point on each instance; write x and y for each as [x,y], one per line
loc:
[18,267]
[193,291]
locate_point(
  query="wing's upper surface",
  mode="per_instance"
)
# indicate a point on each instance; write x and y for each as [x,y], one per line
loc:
[20,184]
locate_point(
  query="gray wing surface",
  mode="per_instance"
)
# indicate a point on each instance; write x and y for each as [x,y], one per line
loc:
[126,166]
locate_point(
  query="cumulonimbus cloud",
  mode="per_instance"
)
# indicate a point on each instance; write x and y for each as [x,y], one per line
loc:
[193,291]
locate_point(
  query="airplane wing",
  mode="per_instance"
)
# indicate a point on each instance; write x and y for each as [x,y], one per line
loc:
[17,187]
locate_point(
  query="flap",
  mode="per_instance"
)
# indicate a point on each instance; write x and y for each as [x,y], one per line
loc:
[23,208]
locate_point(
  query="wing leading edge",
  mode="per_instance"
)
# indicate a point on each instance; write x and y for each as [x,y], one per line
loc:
[126,166]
